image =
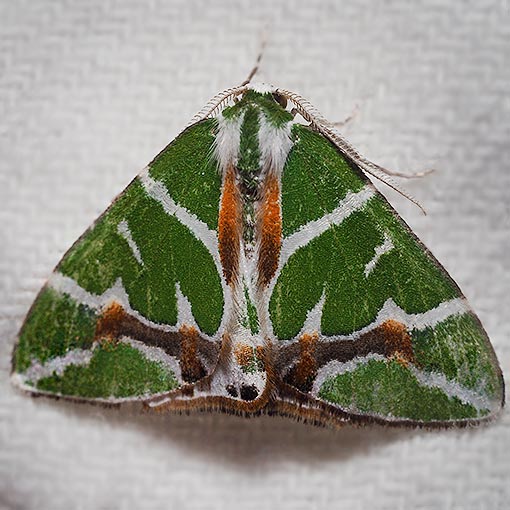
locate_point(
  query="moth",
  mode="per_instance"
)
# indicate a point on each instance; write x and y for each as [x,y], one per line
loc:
[253,268]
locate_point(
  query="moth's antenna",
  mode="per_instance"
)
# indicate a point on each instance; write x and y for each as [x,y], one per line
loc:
[256,67]
[415,175]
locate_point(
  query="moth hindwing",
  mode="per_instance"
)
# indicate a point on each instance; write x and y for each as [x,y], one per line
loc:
[253,267]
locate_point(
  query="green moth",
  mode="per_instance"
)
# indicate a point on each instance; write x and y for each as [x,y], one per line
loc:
[251,268]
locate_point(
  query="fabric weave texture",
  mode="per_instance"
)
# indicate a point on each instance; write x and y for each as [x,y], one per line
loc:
[91,91]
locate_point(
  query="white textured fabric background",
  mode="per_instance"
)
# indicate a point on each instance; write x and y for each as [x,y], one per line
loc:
[91,91]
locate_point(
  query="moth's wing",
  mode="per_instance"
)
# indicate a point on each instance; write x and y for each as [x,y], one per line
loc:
[135,308]
[365,319]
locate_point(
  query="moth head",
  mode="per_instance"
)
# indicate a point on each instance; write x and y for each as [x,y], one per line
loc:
[266,88]
[261,88]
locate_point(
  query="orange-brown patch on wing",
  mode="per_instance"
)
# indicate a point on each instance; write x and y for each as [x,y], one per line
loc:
[398,341]
[269,229]
[248,356]
[230,226]
[109,325]
[244,354]
[191,366]
[301,376]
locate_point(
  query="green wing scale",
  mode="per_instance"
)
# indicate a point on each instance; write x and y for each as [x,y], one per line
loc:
[253,268]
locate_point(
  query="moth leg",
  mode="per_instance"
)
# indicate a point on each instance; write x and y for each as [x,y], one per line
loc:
[337,124]
[348,119]
[393,173]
